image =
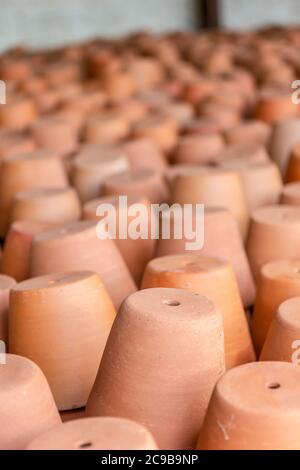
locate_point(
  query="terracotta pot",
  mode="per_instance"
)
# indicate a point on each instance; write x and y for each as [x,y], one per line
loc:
[147,183]
[262,182]
[221,239]
[143,153]
[215,279]
[285,137]
[199,91]
[135,252]
[61,72]
[53,252]
[200,188]
[68,339]
[6,284]
[150,321]
[248,133]
[12,143]
[107,128]
[146,72]
[180,111]
[293,167]
[225,116]
[47,101]
[15,69]
[199,149]
[132,110]
[39,169]
[54,206]
[254,407]
[92,166]
[274,106]
[252,153]
[27,406]
[15,261]
[161,129]
[18,113]
[72,415]
[282,342]
[200,126]
[118,86]
[273,235]
[96,434]
[291,194]
[278,282]
[173,171]
[55,133]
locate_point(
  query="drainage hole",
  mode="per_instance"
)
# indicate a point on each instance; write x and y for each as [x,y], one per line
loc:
[172,303]
[85,445]
[274,386]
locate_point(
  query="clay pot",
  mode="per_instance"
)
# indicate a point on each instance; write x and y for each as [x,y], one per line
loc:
[96,434]
[53,252]
[23,172]
[282,342]
[274,106]
[71,415]
[118,86]
[55,206]
[249,132]
[273,235]
[221,239]
[147,183]
[181,112]
[150,320]
[225,116]
[278,282]
[143,154]
[146,72]
[291,194]
[254,407]
[132,110]
[262,182]
[135,252]
[200,188]
[61,72]
[55,133]
[161,129]
[15,69]
[200,126]
[285,137]
[107,128]
[215,279]
[12,143]
[6,284]
[18,113]
[27,406]
[93,165]
[15,261]
[68,339]
[251,153]
[293,168]
[199,149]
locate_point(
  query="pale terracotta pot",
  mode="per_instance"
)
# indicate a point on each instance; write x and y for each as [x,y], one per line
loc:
[92,166]
[173,171]
[61,72]
[273,235]
[221,239]
[18,113]
[225,116]
[147,183]
[54,206]
[12,143]
[249,132]
[200,188]
[197,92]
[150,320]
[107,128]
[15,69]
[143,153]
[15,261]
[132,110]
[284,138]
[22,172]
[293,167]
[180,111]
[200,126]
[254,407]
[135,252]
[27,406]
[279,281]
[146,72]
[118,86]
[71,415]
[68,339]
[275,106]
[47,101]
[53,252]
[6,284]
[252,153]
[161,129]
[55,133]
[96,434]
[291,194]
[215,279]
[199,149]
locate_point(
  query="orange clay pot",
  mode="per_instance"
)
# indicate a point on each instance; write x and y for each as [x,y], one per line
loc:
[23,172]
[132,110]
[254,407]
[55,133]
[278,282]
[161,129]
[147,183]
[274,106]
[170,327]
[135,252]
[146,72]
[96,434]
[15,261]
[6,284]
[106,128]
[71,415]
[293,168]
[282,343]
[284,139]
[291,194]
[200,188]
[199,149]
[68,339]
[18,113]
[118,86]
[61,72]
[180,111]
[12,143]
[222,239]
[225,116]
[53,252]
[92,166]
[15,69]
[273,235]
[57,206]
[249,132]
[143,153]
[215,279]
[251,153]
[27,407]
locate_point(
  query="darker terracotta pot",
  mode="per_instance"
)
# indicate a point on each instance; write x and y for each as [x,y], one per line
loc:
[18,113]
[150,321]
[291,194]
[284,139]
[6,284]
[293,167]
[274,106]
